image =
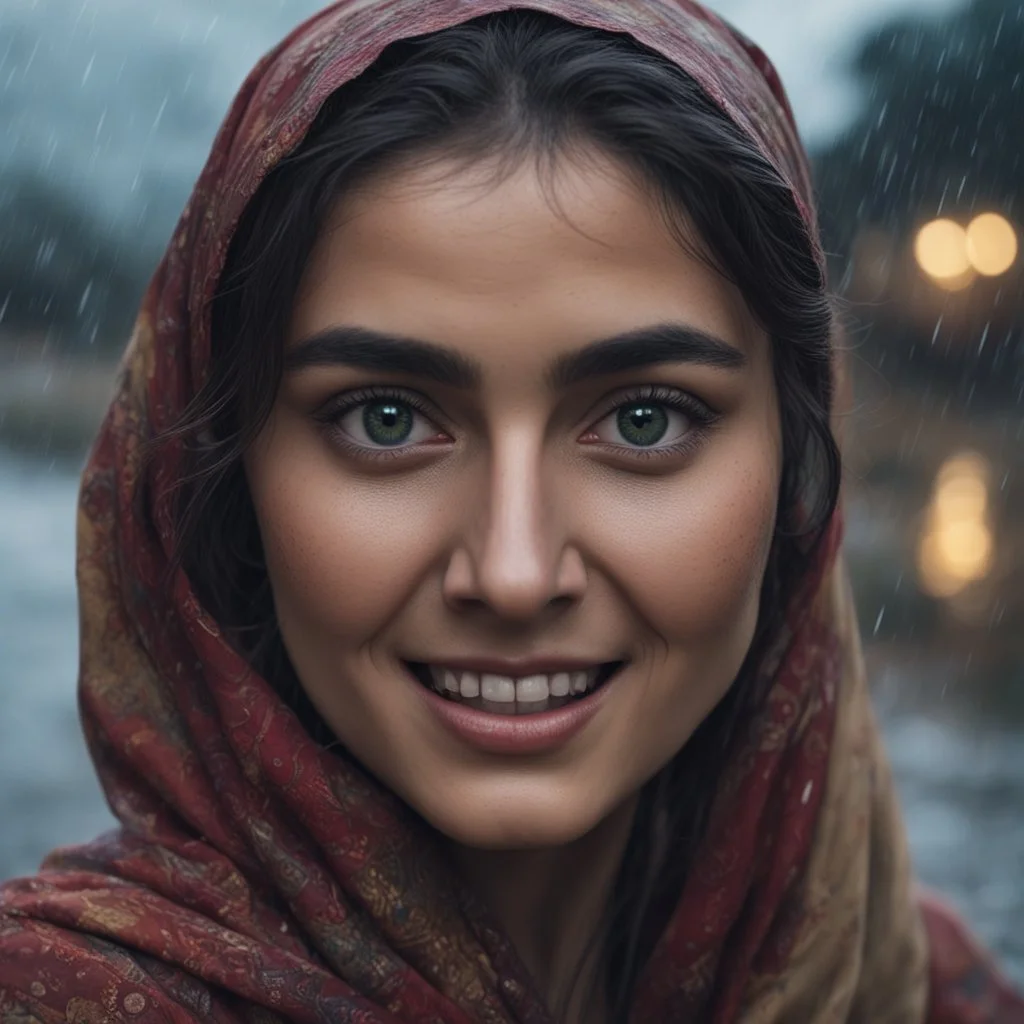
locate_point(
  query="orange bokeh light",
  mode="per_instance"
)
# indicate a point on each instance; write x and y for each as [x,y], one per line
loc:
[953,256]
[957,544]
[941,250]
[991,244]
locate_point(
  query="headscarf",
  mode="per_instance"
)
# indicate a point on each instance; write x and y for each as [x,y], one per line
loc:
[258,877]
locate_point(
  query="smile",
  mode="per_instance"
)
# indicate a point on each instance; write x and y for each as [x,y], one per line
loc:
[506,694]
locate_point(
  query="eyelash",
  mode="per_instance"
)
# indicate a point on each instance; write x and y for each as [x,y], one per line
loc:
[702,416]
[336,408]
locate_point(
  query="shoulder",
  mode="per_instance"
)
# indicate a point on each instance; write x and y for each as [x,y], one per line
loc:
[50,973]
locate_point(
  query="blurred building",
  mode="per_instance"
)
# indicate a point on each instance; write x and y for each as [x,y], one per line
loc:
[923,210]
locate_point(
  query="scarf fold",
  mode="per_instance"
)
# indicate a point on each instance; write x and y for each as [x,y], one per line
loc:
[258,878]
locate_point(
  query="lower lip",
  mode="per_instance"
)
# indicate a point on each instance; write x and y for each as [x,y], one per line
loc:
[515,734]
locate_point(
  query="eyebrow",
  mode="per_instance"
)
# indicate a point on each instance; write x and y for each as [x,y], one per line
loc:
[646,346]
[366,349]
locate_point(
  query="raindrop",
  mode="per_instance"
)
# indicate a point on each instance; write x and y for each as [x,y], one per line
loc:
[892,170]
[984,337]
[878,621]
[31,61]
[211,27]
[85,298]
[45,252]
[159,115]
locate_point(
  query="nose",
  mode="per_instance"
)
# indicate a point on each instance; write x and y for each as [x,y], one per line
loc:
[514,556]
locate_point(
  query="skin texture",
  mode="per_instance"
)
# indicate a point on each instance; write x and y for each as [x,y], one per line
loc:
[517,519]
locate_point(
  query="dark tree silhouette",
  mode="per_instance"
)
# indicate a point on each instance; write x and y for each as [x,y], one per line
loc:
[60,274]
[941,133]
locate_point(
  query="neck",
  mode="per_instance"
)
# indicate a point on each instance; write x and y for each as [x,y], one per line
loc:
[551,902]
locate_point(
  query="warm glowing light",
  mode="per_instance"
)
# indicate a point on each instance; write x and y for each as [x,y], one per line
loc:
[961,495]
[991,244]
[965,465]
[958,283]
[957,545]
[941,250]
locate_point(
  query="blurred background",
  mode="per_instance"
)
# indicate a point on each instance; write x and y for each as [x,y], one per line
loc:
[913,110]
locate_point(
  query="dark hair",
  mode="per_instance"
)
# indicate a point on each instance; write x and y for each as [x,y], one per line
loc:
[518,85]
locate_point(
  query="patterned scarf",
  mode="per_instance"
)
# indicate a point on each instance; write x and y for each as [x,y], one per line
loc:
[257,877]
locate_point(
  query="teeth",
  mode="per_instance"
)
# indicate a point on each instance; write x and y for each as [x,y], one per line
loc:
[506,690]
[532,688]
[501,689]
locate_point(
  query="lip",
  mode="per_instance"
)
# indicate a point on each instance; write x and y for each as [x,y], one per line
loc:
[515,734]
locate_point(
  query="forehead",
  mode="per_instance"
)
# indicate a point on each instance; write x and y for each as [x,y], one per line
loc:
[464,253]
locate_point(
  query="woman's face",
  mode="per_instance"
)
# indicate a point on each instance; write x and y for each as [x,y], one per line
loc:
[524,444]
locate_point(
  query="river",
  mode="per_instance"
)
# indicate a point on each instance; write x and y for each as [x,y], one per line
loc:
[961,776]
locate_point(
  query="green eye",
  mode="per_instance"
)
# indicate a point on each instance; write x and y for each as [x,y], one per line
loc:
[642,424]
[387,422]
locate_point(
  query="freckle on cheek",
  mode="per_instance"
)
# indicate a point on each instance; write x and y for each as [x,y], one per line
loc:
[724,554]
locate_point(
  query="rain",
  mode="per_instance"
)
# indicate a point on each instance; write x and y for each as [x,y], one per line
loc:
[912,112]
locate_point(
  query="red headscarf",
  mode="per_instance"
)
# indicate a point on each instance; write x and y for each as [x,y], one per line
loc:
[257,877]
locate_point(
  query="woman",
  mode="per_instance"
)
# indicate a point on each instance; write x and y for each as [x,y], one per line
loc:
[463,631]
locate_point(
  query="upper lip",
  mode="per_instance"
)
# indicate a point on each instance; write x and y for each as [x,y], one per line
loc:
[518,668]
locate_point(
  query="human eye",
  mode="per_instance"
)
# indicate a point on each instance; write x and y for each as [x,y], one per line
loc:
[653,421]
[379,423]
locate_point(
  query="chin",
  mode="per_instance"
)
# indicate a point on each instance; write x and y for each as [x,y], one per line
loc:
[502,822]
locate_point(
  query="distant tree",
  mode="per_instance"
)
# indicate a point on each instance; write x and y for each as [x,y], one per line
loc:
[942,126]
[60,274]
[77,244]
[940,134]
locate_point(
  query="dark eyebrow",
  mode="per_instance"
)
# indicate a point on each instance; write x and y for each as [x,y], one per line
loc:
[364,349]
[367,349]
[646,346]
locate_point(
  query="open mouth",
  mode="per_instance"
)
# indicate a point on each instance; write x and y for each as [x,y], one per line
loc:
[504,695]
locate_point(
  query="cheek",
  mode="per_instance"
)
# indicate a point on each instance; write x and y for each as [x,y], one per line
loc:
[343,555]
[693,557]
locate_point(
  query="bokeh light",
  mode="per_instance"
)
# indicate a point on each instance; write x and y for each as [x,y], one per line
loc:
[953,256]
[941,250]
[991,244]
[957,545]
[958,283]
